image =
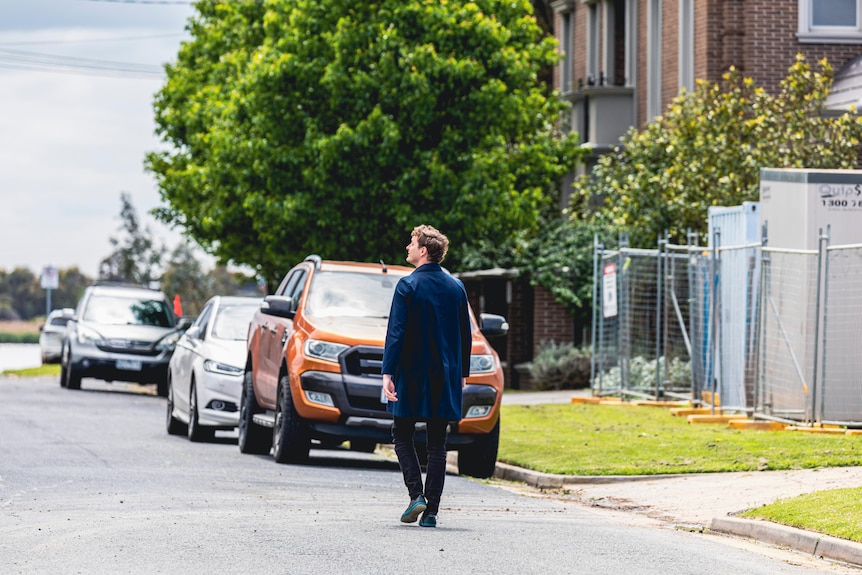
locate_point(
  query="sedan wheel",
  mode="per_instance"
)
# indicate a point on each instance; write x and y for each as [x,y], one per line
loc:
[174,425]
[197,432]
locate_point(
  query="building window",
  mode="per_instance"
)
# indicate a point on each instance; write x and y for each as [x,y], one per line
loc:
[654,40]
[686,44]
[830,21]
[568,48]
[592,44]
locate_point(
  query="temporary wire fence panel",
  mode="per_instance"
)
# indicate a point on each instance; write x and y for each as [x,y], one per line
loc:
[788,315]
[738,289]
[675,350]
[839,393]
[701,282]
[643,349]
[735,234]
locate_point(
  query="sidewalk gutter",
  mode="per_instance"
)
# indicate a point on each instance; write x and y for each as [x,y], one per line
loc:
[817,544]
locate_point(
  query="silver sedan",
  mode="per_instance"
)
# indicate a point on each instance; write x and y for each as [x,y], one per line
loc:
[205,373]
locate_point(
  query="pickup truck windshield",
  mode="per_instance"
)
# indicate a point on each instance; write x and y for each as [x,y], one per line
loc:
[346,294]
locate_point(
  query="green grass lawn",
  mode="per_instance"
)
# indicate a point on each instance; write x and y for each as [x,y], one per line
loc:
[49,369]
[625,440]
[834,512]
[576,439]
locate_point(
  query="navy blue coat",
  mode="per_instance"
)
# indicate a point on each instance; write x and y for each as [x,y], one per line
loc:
[428,344]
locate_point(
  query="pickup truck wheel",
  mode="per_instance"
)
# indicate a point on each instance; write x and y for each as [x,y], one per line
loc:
[173,425]
[253,438]
[197,432]
[480,458]
[290,441]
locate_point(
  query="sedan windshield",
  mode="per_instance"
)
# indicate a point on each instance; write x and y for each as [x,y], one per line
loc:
[115,310]
[232,321]
[340,294]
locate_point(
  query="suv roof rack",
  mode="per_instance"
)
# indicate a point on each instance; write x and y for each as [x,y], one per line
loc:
[314,258]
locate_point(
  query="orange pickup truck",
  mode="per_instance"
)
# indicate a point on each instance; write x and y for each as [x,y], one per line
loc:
[312,375]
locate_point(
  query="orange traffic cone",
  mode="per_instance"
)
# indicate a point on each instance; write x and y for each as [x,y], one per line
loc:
[178,306]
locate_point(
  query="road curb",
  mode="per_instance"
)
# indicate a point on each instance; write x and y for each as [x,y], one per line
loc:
[816,544]
[557,481]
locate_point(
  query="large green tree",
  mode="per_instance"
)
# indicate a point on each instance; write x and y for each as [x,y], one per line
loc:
[708,147]
[335,126]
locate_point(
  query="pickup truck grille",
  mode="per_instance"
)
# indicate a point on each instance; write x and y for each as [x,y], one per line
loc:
[363,361]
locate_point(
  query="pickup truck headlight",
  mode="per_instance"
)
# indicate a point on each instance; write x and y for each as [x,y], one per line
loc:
[88,336]
[482,364]
[222,368]
[324,350]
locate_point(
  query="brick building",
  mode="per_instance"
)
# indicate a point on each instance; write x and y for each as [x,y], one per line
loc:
[625,60]
[532,312]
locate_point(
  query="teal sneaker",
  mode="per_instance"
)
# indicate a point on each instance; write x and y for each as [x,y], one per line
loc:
[428,520]
[416,507]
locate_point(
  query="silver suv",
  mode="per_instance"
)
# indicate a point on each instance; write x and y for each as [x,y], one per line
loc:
[120,333]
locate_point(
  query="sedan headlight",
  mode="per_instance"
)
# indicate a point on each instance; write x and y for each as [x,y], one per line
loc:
[324,350]
[88,336]
[482,364]
[169,342]
[213,366]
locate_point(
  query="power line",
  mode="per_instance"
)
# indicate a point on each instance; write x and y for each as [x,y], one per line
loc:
[92,40]
[165,2]
[36,61]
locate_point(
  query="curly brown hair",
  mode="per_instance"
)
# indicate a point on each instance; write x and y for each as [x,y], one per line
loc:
[434,241]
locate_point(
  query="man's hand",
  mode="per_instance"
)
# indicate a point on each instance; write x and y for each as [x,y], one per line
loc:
[463,382]
[389,387]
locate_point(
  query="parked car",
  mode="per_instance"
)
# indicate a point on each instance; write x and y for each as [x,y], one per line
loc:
[51,334]
[120,333]
[206,370]
[315,350]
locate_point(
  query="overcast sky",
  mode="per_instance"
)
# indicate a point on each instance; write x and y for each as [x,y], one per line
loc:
[72,140]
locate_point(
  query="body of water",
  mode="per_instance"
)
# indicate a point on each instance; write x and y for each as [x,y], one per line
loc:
[19,356]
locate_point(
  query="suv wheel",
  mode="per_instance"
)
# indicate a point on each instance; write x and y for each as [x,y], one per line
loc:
[174,425]
[252,437]
[290,441]
[480,458]
[70,378]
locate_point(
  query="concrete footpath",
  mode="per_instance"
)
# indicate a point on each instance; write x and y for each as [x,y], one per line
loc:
[704,500]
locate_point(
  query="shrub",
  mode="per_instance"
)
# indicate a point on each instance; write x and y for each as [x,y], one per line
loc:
[642,373]
[561,366]
[19,338]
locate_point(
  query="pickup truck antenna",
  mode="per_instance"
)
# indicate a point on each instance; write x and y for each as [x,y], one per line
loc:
[384,266]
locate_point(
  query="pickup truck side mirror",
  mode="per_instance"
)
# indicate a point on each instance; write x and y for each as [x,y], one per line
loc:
[279,306]
[492,325]
[185,323]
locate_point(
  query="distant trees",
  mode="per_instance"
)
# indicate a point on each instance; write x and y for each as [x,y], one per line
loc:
[22,296]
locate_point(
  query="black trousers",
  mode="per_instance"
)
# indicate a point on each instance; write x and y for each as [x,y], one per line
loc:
[403,432]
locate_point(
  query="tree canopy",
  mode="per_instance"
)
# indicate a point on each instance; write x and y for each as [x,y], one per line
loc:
[335,127]
[707,149]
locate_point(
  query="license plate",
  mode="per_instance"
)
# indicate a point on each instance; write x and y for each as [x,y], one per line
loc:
[129,364]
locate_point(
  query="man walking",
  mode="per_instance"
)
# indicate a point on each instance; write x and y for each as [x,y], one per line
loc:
[425,365]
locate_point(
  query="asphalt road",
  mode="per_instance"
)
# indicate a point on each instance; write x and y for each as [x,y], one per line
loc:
[91,483]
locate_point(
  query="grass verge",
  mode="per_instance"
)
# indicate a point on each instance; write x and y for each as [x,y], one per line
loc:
[625,440]
[833,512]
[49,369]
